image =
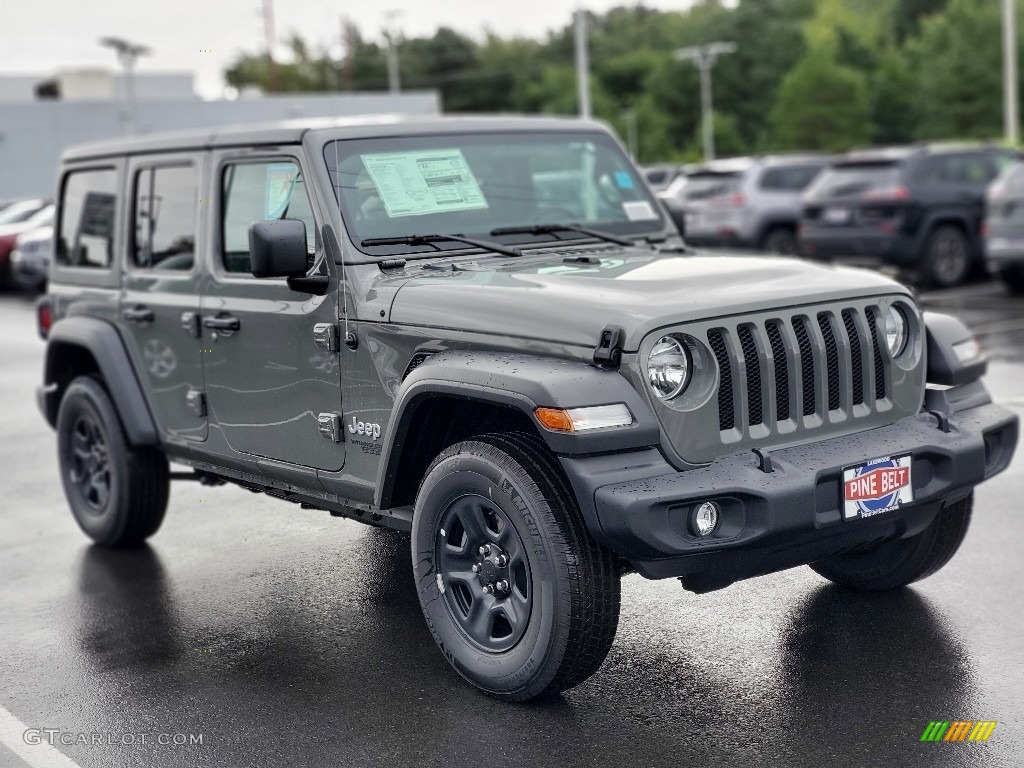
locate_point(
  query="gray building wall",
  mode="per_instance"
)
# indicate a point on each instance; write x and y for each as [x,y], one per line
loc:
[33,134]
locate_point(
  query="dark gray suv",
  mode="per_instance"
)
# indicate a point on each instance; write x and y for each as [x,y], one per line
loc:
[485,333]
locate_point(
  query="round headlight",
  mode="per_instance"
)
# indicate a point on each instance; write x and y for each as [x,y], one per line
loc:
[668,367]
[895,331]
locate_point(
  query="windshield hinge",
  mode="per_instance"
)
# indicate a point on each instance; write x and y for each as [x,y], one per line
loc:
[609,348]
[325,336]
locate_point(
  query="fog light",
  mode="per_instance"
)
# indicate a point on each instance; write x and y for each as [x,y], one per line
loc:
[705,520]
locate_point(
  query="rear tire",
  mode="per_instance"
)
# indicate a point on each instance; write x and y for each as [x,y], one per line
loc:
[543,621]
[117,492]
[1013,279]
[947,257]
[895,564]
[780,241]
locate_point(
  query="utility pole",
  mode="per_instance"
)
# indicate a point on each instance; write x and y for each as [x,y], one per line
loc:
[394,73]
[631,133]
[1011,110]
[269,37]
[704,57]
[582,64]
[127,53]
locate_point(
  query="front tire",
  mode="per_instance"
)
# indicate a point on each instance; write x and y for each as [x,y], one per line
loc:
[539,612]
[1013,278]
[117,492]
[894,564]
[780,241]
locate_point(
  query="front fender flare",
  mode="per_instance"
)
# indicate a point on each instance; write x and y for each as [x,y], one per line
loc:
[101,340]
[524,383]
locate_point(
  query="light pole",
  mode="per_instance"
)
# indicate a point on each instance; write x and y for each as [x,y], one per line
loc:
[582,64]
[394,76]
[1011,113]
[704,57]
[127,53]
[629,116]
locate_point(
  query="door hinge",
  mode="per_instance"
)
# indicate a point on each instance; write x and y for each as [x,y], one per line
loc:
[197,402]
[330,426]
[609,348]
[325,336]
[190,322]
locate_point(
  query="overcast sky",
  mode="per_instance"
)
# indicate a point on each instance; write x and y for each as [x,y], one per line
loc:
[42,36]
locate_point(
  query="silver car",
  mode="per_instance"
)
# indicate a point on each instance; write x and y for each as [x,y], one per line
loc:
[30,259]
[1004,228]
[748,202]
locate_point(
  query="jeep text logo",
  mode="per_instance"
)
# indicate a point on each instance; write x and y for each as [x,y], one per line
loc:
[364,428]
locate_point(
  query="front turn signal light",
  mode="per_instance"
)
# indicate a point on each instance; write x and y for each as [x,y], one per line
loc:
[583,419]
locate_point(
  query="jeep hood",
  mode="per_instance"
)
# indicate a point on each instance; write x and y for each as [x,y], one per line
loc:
[569,302]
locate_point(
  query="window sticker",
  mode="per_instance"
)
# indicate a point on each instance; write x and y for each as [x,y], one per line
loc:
[280,183]
[428,181]
[623,180]
[639,210]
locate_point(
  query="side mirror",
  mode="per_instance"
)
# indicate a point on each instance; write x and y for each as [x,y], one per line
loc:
[278,248]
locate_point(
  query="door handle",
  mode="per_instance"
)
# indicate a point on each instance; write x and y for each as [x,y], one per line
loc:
[138,314]
[222,323]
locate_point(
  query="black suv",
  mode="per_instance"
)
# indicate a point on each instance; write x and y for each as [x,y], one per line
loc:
[914,207]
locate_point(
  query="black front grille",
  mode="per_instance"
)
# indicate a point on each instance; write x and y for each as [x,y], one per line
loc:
[726,412]
[839,349]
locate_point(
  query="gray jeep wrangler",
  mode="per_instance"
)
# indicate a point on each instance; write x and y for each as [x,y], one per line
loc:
[484,332]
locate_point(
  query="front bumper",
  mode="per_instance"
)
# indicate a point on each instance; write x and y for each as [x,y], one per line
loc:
[640,508]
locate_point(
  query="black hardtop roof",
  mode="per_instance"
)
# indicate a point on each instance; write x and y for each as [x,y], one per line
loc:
[293,132]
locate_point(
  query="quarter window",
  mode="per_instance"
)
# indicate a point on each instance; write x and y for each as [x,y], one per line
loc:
[165,218]
[86,230]
[253,192]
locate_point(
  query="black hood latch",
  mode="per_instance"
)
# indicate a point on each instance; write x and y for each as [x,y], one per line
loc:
[609,348]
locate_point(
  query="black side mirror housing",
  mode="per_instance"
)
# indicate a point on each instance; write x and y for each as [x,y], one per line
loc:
[278,248]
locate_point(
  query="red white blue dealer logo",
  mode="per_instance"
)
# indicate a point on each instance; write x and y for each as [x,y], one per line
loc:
[877,486]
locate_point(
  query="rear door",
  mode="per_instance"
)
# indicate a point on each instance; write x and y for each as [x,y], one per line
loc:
[159,307]
[269,386]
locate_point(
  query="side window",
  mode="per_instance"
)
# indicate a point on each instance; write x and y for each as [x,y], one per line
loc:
[165,218]
[263,191]
[791,178]
[86,227]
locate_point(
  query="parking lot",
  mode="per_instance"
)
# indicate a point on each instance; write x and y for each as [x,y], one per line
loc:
[260,634]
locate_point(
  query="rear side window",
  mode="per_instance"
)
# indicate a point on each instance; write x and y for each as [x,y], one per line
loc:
[960,168]
[86,233]
[265,191]
[790,178]
[165,218]
[854,179]
[704,186]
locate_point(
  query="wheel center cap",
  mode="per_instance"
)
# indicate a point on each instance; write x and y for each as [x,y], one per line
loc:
[489,571]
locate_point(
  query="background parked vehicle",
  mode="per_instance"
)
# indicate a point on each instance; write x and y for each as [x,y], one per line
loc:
[1003,229]
[658,177]
[918,208]
[30,259]
[748,202]
[17,211]
[42,217]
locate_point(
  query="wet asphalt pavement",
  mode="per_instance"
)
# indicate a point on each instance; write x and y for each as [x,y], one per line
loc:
[284,637]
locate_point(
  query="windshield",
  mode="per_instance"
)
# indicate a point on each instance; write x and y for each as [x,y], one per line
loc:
[704,186]
[19,212]
[472,184]
[842,180]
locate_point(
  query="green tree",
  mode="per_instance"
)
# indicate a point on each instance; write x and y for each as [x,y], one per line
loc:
[822,105]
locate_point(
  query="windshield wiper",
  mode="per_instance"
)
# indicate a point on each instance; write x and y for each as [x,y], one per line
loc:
[432,241]
[550,229]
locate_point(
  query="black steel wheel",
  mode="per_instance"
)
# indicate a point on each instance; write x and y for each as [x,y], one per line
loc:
[482,559]
[117,492]
[518,596]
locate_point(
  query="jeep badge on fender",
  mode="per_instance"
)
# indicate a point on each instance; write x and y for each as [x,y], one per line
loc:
[539,380]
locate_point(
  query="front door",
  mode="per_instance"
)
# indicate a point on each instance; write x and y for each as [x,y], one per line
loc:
[270,388]
[160,296]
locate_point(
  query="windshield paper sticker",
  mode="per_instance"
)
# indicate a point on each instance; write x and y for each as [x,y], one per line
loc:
[639,210]
[429,181]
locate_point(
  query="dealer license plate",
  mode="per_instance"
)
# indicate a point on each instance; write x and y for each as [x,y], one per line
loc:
[836,215]
[877,486]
